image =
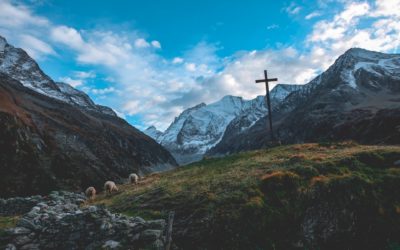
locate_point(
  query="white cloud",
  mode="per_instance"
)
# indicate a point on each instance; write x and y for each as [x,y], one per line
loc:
[85,74]
[156,44]
[103,91]
[346,29]
[335,29]
[36,47]
[109,79]
[312,15]
[190,67]
[387,8]
[272,26]
[293,9]
[141,43]
[19,16]
[67,36]
[73,82]
[177,60]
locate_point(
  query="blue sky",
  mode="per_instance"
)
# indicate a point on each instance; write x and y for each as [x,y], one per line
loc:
[149,60]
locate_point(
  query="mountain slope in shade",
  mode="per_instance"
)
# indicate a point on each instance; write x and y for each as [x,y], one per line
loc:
[200,128]
[357,98]
[63,141]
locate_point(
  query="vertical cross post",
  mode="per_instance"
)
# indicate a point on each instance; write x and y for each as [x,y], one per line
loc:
[266,80]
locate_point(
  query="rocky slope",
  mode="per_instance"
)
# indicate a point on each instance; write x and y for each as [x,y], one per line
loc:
[59,221]
[53,136]
[357,98]
[201,127]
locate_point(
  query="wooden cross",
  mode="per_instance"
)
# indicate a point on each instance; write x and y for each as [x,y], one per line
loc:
[266,80]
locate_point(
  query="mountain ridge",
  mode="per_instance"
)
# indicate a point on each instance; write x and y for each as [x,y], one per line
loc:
[199,128]
[16,63]
[51,143]
[356,98]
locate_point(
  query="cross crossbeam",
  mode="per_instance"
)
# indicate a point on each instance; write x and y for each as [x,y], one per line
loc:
[266,80]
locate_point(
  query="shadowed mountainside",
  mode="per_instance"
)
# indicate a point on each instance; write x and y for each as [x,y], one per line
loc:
[47,144]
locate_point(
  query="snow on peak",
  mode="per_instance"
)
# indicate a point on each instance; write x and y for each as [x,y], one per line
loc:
[363,54]
[153,132]
[355,59]
[16,63]
[281,91]
[201,127]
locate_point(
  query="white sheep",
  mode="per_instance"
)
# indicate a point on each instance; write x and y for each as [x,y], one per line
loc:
[90,193]
[110,187]
[133,178]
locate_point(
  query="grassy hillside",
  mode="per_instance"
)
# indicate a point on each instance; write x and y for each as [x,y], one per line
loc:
[308,196]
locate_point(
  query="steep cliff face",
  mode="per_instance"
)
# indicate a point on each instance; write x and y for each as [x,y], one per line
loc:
[63,140]
[357,98]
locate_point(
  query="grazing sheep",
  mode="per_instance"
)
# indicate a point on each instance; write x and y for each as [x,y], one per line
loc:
[110,187]
[90,193]
[133,179]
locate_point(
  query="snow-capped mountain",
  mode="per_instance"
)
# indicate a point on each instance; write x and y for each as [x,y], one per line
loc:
[53,136]
[16,63]
[153,132]
[201,127]
[357,98]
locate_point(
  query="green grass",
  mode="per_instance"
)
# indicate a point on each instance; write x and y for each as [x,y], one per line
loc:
[8,222]
[260,199]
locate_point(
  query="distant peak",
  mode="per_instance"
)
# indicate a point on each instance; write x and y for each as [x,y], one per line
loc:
[365,54]
[198,106]
[231,97]
[356,50]
[2,39]
[3,43]
[152,127]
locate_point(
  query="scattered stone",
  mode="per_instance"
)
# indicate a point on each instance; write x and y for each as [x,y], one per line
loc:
[18,231]
[111,244]
[156,224]
[92,209]
[17,205]
[58,222]
[22,240]
[150,235]
[10,247]
[30,247]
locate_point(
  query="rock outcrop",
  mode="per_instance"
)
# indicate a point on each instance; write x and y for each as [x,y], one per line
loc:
[59,221]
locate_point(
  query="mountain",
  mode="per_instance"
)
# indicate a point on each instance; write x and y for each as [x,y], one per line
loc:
[201,127]
[16,63]
[53,136]
[152,132]
[357,98]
